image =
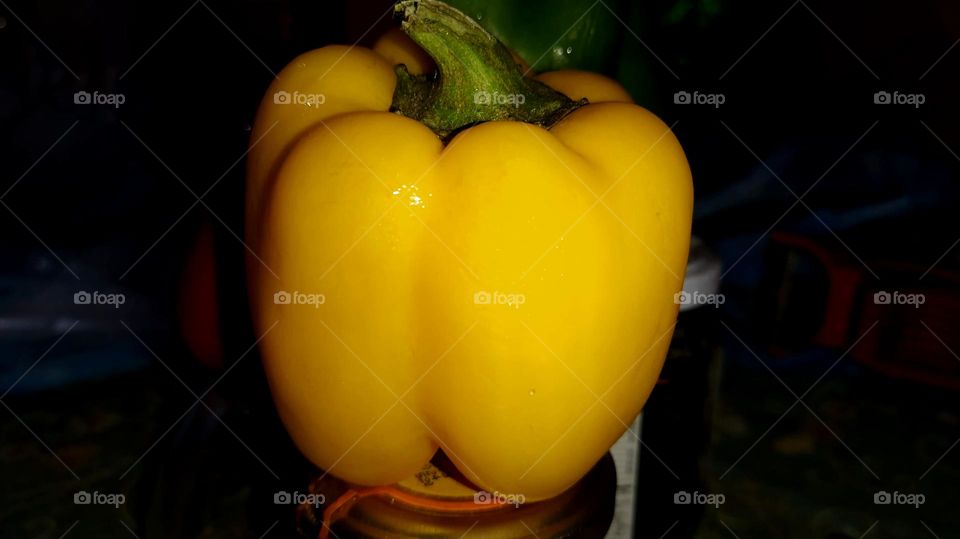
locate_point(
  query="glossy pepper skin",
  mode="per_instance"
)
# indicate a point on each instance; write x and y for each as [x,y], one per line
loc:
[478,297]
[554,34]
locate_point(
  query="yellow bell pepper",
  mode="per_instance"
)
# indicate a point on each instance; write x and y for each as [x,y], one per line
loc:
[499,289]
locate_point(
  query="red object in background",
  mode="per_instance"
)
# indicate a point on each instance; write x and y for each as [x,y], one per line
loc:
[198,302]
[916,343]
[843,287]
[912,313]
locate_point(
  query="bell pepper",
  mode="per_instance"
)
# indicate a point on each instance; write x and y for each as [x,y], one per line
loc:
[554,34]
[470,261]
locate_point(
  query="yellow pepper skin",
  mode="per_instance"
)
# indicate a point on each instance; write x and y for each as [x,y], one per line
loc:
[507,297]
[577,85]
[399,49]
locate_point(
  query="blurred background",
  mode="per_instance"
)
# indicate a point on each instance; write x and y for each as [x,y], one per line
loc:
[815,389]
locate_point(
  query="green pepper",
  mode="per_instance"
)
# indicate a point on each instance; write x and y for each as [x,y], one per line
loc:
[554,34]
[671,26]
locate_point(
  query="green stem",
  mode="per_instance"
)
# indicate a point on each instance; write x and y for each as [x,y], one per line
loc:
[477,80]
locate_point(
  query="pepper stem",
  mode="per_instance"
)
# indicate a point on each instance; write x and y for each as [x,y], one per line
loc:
[477,80]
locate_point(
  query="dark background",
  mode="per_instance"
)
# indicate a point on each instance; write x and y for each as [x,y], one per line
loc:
[106,198]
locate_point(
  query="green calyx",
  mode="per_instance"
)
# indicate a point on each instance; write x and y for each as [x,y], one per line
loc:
[477,79]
